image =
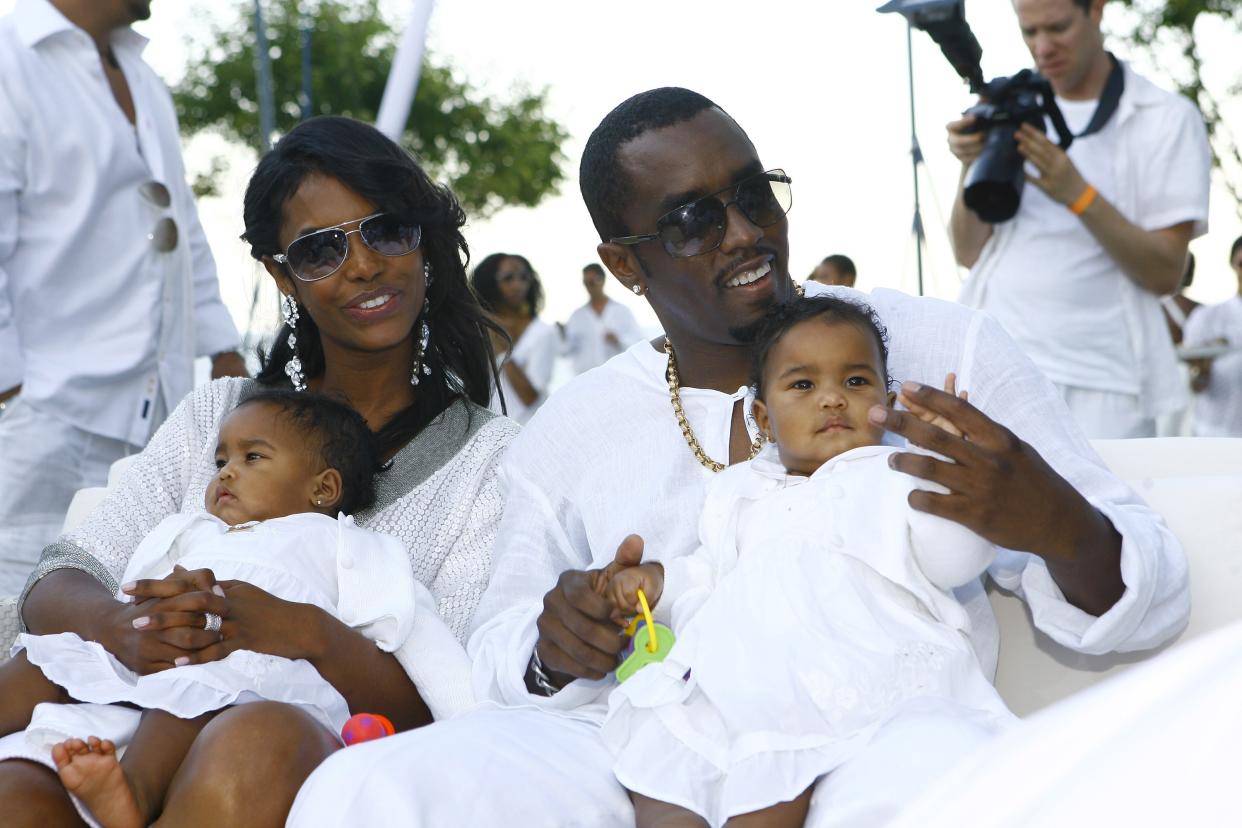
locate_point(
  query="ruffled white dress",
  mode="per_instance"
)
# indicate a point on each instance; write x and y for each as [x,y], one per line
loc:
[361,577]
[816,610]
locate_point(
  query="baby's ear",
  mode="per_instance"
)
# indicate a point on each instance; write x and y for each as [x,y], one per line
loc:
[760,411]
[326,490]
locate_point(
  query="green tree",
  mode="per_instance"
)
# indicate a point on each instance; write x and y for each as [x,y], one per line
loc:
[1165,28]
[492,152]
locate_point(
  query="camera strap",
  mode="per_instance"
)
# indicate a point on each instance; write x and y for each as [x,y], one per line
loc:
[1109,100]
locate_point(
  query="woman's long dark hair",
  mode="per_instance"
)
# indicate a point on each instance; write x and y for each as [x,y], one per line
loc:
[364,160]
[487,288]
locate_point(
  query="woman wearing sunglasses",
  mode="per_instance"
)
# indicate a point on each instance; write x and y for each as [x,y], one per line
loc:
[368,256]
[509,288]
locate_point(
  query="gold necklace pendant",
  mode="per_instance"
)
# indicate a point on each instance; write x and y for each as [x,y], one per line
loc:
[674,393]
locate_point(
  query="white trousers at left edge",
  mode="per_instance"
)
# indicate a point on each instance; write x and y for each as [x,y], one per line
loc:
[495,767]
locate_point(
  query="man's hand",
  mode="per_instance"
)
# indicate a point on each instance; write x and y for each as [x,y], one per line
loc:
[999,486]
[965,146]
[228,364]
[578,637]
[1058,177]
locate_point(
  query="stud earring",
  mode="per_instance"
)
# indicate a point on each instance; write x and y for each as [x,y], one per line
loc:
[638,291]
[421,368]
[293,368]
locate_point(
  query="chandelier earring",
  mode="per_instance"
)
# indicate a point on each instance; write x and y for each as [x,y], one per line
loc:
[293,368]
[421,368]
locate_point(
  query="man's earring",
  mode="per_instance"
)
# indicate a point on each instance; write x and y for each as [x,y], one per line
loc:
[638,291]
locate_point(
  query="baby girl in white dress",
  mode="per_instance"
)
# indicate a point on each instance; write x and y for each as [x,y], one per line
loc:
[292,467]
[818,607]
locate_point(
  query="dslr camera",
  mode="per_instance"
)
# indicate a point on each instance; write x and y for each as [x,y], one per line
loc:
[993,187]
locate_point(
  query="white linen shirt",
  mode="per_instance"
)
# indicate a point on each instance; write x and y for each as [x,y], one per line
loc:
[1049,282]
[97,326]
[605,458]
[584,334]
[1218,408]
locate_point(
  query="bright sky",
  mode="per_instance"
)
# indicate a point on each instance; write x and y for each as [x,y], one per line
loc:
[821,88]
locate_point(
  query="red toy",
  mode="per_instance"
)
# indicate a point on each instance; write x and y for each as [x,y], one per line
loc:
[363,727]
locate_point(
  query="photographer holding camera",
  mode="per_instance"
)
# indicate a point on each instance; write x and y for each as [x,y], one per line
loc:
[1075,277]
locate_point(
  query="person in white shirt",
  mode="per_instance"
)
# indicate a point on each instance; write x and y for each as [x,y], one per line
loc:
[632,447]
[818,607]
[836,269]
[1076,276]
[509,289]
[108,290]
[1217,380]
[600,329]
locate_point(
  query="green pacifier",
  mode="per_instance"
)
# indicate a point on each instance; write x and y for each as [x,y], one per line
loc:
[644,647]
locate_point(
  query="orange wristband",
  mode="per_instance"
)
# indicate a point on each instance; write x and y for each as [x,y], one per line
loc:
[1084,201]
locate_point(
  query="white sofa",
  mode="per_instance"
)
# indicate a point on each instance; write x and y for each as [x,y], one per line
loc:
[1194,483]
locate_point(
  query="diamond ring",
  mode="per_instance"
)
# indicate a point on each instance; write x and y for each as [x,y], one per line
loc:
[213,622]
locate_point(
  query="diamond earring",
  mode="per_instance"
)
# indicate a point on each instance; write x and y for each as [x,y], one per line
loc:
[293,368]
[638,291]
[421,368]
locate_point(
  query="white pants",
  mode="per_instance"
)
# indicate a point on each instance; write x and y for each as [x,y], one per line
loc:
[1106,415]
[502,767]
[43,461]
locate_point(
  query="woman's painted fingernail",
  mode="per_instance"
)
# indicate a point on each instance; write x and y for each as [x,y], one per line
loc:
[139,623]
[129,587]
[218,590]
[877,414]
[181,661]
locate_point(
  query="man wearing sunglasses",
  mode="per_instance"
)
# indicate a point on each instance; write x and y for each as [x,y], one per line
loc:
[616,466]
[108,290]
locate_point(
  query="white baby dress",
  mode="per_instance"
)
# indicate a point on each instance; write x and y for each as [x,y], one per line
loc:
[361,577]
[816,609]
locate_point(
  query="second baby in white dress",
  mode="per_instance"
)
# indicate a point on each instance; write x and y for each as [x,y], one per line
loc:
[818,607]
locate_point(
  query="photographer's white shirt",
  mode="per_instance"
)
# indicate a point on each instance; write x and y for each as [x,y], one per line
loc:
[1059,294]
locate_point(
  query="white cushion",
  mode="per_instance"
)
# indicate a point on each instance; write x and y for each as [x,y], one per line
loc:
[1196,485]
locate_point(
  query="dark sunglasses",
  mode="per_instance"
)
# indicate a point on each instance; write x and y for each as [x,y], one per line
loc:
[318,255]
[699,227]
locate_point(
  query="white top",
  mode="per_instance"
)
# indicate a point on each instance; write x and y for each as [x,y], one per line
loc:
[606,458]
[1052,285]
[95,323]
[447,523]
[846,506]
[585,331]
[1218,408]
[535,353]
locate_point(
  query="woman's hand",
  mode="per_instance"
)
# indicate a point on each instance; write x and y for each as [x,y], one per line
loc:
[165,621]
[261,622]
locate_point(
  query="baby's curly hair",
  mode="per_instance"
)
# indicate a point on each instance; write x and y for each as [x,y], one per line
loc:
[337,434]
[781,318]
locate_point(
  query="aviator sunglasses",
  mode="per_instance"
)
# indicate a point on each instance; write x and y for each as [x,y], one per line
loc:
[699,226]
[319,254]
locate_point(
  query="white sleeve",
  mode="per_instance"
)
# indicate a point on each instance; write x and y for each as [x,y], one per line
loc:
[1007,386]
[1199,328]
[540,536]
[1176,167]
[12,181]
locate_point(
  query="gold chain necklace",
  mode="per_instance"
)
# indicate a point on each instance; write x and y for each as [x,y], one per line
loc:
[674,393]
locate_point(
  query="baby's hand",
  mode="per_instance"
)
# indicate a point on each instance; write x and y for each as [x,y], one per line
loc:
[622,589]
[927,416]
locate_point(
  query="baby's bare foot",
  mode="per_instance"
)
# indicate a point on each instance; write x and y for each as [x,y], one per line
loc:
[91,771]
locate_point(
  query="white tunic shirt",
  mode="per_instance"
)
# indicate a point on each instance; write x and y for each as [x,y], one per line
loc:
[1055,289]
[606,458]
[1218,408]
[585,333]
[95,323]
